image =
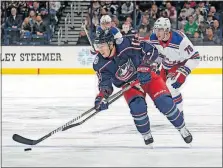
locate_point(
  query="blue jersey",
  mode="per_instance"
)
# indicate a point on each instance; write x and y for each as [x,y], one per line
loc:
[122,67]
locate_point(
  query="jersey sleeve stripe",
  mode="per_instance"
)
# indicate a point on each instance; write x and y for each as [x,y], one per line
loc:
[180,33]
[195,56]
[173,47]
[167,65]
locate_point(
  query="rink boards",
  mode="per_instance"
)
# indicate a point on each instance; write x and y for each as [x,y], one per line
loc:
[78,60]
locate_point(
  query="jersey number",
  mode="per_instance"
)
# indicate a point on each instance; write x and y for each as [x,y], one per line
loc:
[189,49]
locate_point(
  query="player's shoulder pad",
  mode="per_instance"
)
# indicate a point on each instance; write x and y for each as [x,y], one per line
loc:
[122,43]
[127,43]
[177,37]
[146,44]
[99,62]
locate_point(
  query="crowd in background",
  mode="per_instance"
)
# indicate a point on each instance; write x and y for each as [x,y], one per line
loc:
[34,22]
[201,21]
[29,21]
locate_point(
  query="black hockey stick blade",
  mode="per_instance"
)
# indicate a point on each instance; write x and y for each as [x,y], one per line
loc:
[23,140]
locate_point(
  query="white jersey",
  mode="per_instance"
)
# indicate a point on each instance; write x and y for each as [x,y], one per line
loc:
[178,49]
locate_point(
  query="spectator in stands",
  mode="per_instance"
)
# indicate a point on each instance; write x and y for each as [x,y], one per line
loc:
[216,28]
[172,14]
[203,9]
[114,8]
[40,29]
[198,17]
[144,28]
[154,12]
[127,8]
[104,11]
[35,7]
[13,25]
[2,24]
[32,19]
[190,27]
[213,13]
[95,13]
[54,8]
[2,18]
[182,19]
[95,8]
[197,40]
[192,4]
[210,38]
[83,39]
[14,21]
[26,27]
[95,20]
[55,5]
[126,28]
[106,7]
[23,9]
[44,15]
[129,19]
[115,22]
[210,21]
[188,10]
[163,13]
[202,29]
[25,31]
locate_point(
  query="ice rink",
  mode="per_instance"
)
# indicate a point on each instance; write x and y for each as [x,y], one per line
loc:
[35,105]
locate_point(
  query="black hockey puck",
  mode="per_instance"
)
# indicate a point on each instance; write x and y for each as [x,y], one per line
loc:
[27,149]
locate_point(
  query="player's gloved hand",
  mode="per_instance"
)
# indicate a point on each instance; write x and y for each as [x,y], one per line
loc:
[180,76]
[100,103]
[143,74]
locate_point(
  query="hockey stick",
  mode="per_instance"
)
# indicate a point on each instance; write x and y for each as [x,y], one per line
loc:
[81,122]
[23,140]
[89,39]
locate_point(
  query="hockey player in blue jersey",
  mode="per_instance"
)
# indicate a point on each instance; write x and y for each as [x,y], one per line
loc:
[106,25]
[127,61]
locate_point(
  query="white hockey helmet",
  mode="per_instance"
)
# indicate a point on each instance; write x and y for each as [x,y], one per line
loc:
[105,19]
[162,23]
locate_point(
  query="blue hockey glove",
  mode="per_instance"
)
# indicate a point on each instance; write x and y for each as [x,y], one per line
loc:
[180,76]
[100,103]
[143,74]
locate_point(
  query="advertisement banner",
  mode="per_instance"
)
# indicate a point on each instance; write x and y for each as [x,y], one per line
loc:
[46,57]
[78,60]
[211,56]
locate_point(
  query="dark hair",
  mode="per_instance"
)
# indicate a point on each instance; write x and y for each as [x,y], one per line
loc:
[210,27]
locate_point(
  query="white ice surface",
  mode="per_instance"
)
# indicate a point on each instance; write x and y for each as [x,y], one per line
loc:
[35,105]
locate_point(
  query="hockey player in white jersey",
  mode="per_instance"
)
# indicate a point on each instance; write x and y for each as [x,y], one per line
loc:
[179,57]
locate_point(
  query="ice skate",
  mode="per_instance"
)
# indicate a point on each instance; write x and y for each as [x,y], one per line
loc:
[148,139]
[186,135]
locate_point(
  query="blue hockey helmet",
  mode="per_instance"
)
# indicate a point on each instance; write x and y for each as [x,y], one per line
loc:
[103,37]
